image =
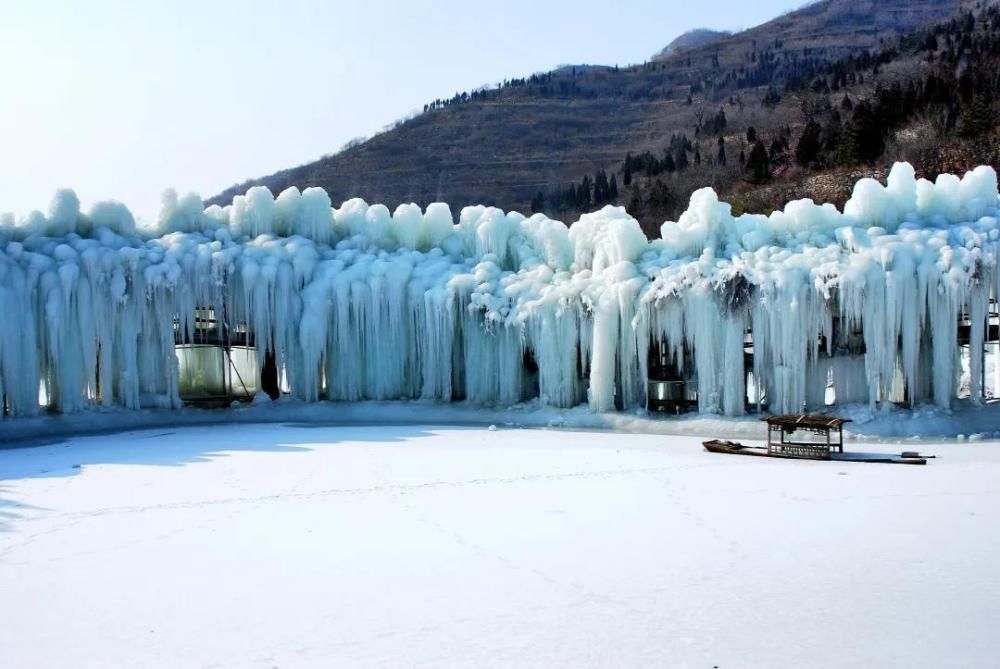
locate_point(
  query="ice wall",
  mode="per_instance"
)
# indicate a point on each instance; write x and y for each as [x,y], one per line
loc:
[358,302]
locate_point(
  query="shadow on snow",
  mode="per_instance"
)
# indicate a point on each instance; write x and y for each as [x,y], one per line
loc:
[169,448]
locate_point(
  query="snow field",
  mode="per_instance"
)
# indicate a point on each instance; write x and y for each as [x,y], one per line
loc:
[285,545]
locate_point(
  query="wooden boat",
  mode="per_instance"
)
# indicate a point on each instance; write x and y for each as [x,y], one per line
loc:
[736,448]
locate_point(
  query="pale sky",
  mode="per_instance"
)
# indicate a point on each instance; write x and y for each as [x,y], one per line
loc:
[121,99]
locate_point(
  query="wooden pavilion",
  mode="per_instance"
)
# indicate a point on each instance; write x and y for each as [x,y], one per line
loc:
[805,436]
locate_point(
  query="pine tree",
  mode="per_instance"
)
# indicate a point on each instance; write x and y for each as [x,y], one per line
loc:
[568,198]
[681,161]
[771,98]
[613,189]
[807,150]
[758,166]
[832,136]
[864,136]
[601,187]
[719,122]
[721,157]
[538,203]
[583,200]
[777,152]
[977,117]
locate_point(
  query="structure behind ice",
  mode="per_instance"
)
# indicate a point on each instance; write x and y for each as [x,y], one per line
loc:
[797,309]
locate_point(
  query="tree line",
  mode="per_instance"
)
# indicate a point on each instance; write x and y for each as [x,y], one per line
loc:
[590,193]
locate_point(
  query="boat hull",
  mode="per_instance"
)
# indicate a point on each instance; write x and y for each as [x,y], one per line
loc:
[736,448]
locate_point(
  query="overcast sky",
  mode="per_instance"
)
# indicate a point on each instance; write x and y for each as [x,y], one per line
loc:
[121,99]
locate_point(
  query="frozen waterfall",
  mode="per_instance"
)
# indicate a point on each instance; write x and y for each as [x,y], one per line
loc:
[793,310]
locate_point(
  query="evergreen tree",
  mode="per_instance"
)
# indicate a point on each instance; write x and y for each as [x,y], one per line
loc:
[568,198]
[808,148]
[832,136]
[660,195]
[601,187]
[613,189]
[758,166]
[864,136]
[777,152]
[977,117]
[538,203]
[721,156]
[681,161]
[771,98]
[583,200]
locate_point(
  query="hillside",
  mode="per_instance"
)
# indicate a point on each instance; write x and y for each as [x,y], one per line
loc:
[536,136]
[690,40]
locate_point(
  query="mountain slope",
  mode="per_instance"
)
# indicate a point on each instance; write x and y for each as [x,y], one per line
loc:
[689,40]
[504,146]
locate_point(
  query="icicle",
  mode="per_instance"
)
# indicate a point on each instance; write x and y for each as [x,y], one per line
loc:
[355,303]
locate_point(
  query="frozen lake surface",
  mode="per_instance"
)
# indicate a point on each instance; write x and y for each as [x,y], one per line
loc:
[301,546]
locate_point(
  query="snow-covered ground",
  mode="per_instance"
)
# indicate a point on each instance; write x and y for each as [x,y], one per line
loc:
[966,421]
[301,545]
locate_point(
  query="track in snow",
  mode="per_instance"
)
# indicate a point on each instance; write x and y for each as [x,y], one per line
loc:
[271,545]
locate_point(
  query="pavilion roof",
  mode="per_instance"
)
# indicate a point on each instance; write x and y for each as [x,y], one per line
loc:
[807,421]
